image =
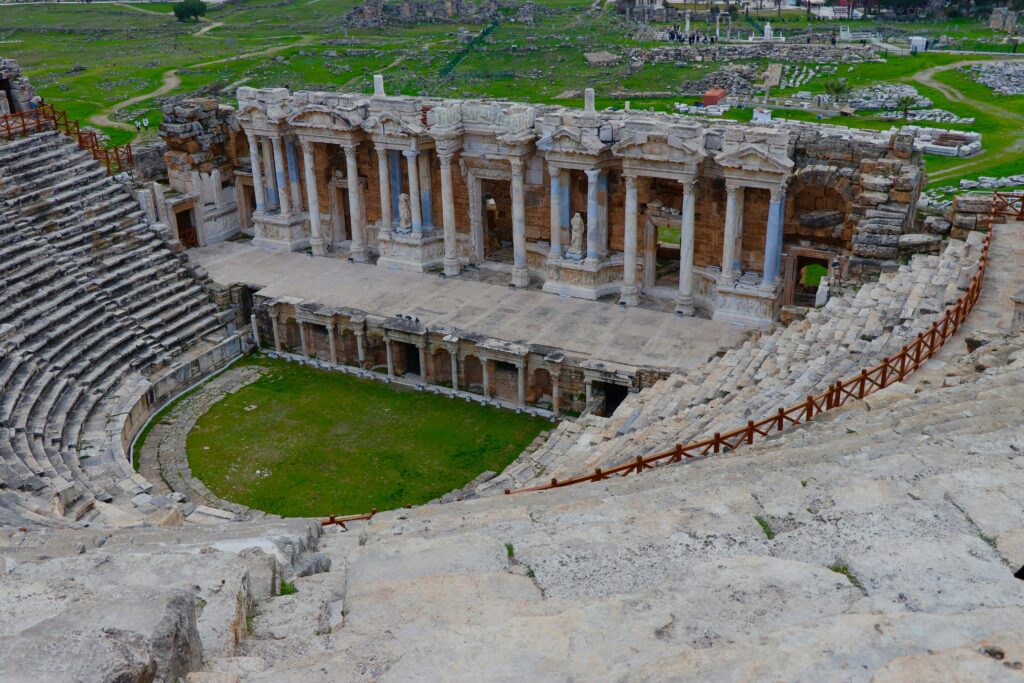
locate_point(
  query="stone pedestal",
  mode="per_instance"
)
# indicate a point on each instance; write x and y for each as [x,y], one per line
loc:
[746,304]
[288,232]
[416,251]
[584,279]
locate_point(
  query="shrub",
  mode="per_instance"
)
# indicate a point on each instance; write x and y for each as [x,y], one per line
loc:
[190,9]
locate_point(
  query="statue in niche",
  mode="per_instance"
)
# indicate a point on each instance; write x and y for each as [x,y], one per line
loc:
[404,213]
[576,239]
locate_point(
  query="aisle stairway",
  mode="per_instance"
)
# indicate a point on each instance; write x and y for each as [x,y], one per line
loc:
[92,304]
[779,369]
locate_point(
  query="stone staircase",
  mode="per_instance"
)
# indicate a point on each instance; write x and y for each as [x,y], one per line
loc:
[778,369]
[93,306]
[879,543]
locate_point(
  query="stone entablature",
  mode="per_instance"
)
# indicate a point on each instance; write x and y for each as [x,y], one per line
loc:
[438,355]
[447,182]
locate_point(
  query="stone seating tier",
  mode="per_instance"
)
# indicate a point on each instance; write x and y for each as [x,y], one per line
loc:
[93,302]
[781,368]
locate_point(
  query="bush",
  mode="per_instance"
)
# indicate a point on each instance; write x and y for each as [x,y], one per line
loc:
[190,9]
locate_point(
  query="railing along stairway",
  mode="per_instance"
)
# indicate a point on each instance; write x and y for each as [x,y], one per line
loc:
[45,117]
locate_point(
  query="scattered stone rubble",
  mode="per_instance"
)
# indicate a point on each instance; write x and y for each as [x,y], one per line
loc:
[947,143]
[735,79]
[930,115]
[783,52]
[992,183]
[1005,78]
[886,97]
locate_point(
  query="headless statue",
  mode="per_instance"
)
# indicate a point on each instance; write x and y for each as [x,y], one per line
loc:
[404,212]
[576,241]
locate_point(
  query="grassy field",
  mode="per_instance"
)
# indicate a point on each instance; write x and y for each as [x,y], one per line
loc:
[307,442]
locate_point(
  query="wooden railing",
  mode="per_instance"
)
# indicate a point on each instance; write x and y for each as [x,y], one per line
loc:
[115,159]
[891,370]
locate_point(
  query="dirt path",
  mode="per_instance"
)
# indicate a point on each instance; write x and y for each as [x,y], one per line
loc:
[172,81]
[1008,149]
[206,29]
[144,11]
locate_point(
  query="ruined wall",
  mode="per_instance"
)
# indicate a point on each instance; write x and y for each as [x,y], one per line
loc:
[20,90]
[201,136]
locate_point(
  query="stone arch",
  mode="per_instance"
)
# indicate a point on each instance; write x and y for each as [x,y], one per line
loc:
[441,366]
[473,374]
[539,387]
[818,202]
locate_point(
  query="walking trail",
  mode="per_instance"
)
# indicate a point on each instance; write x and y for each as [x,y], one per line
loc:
[172,81]
[1010,148]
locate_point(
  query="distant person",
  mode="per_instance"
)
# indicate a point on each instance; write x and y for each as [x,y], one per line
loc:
[145,122]
[138,125]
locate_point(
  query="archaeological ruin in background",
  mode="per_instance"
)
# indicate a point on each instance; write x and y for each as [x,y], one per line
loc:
[584,201]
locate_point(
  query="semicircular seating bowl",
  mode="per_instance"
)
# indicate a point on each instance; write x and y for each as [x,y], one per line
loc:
[93,304]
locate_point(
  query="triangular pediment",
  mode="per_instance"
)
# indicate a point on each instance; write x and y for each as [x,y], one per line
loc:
[657,146]
[754,158]
[392,124]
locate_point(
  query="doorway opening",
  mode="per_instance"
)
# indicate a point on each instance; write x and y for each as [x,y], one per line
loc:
[185,224]
[606,397]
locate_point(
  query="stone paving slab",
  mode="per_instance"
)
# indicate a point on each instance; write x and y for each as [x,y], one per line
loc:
[615,334]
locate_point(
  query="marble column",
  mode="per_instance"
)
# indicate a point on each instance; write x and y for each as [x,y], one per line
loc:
[390,356]
[773,239]
[426,199]
[485,365]
[554,392]
[355,205]
[451,253]
[592,217]
[565,179]
[454,355]
[384,180]
[269,175]
[279,176]
[521,383]
[588,389]
[302,339]
[395,176]
[360,347]
[277,333]
[476,218]
[255,330]
[555,251]
[630,294]
[293,174]
[332,343]
[732,220]
[684,299]
[520,274]
[257,172]
[414,191]
[422,350]
[316,240]
[602,214]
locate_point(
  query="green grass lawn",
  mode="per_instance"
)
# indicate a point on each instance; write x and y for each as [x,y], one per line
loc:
[306,442]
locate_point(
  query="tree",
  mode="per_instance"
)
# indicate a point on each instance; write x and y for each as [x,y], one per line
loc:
[905,103]
[189,9]
[837,88]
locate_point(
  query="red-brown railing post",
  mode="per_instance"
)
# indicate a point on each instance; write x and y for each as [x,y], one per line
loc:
[750,432]
[885,372]
[781,419]
[809,409]
[862,383]
[718,442]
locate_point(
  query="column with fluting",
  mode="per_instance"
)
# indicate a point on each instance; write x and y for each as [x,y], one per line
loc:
[520,274]
[729,241]
[414,191]
[269,176]
[593,220]
[257,172]
[684,299]
[355,205]
[384,181]
[555,251]
[293,174]
[279,175]
[630,294]
[451,253]
[316,240]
